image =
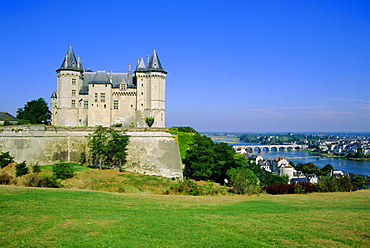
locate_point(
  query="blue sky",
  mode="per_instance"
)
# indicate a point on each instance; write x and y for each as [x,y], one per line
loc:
[248,66]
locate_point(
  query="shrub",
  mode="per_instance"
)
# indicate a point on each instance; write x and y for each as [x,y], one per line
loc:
[32,180]
[83,158]
[5,159]
[49,182]
[280,189]
[304,187]
[63,170]
[188,187]
[5,178]
[149,121]
[117,125]
[36,168]
[21,169]
[335,184]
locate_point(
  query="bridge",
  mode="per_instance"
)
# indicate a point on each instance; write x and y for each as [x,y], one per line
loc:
[260,148]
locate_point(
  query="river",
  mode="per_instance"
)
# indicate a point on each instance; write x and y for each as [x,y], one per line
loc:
[348,166]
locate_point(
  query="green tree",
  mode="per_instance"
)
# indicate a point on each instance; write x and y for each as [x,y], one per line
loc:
[5,159]
[326,169]
[308,168]
[360,152]
[206,160]
[21,169]
[149,121]
[108,147]
[35,111]
[63,170]
[243,180]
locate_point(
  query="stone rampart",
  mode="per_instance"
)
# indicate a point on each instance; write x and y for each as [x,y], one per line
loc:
[152,151]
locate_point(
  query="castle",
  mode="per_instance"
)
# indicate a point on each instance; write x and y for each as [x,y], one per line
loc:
[87,98]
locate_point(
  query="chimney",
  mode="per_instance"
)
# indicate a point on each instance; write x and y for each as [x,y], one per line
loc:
[110,77]
[129,71]
[147,60]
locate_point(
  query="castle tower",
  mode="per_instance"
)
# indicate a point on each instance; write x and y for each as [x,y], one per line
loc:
[151,87]
[65,101]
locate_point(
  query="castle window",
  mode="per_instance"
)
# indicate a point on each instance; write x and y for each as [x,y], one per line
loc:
[73,81]
[102,97]
[73,103]
[115,104]
[123,86]
[86,104]
[105,106]
[142,93]
[73,92]
[96,97]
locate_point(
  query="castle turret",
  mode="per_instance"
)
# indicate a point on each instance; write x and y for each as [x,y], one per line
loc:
[151,86]
[65,106]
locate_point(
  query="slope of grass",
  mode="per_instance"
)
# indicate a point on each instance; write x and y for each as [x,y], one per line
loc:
[34,217]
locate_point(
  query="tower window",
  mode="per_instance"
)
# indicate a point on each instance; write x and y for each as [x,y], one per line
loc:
[115,104]
[73,103]
[73,81]
[86,104]
[73,92]
[96,97]
[102,97]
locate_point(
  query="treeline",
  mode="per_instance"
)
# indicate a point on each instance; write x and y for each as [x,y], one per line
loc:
[218,162]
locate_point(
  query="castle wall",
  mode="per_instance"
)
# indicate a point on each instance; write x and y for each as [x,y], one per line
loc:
[150,151]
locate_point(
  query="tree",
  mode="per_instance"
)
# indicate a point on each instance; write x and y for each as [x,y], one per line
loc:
[21,169]
[35,111]
[243,180]
[108,147]
[206,160]
[63,170]
[149,121]
[5,159]
[308,168]
[326,169]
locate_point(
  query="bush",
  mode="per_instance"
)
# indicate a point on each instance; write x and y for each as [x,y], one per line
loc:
[5,178]
[36,168]
[21,169]
[188,187]
[5,159]
[32,180]
[335,184]
[49,182]
[149,121]
[280,189]
[304,187]
[63,170]
[83,158]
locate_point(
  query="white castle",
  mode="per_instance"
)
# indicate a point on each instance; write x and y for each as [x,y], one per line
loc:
[87,98]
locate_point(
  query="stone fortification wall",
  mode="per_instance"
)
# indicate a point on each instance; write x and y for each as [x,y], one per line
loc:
[151,151]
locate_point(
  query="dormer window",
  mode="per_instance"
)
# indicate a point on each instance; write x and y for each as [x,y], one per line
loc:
[123,86]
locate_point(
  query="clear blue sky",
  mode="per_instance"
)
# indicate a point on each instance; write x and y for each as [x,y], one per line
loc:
[250,66]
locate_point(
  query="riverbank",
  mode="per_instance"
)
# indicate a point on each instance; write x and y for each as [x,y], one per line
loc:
[337,156]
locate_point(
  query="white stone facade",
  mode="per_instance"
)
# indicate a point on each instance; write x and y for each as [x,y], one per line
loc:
[87,98]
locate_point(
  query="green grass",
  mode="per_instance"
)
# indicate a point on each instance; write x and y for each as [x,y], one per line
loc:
[34,217]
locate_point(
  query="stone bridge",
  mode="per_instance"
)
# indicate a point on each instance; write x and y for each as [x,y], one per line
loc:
[260,148]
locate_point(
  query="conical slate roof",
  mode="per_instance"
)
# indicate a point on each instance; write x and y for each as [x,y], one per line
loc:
[155,63]
[140,65]
[70,62]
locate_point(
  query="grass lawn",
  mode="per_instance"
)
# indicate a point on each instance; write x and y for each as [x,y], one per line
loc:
[39,217]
